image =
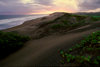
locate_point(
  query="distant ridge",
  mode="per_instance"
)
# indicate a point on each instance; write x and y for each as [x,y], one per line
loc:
[89,13]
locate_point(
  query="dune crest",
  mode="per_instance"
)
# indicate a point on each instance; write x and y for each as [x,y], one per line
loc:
[58,22]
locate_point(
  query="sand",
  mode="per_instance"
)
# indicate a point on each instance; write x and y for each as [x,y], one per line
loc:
[45,51]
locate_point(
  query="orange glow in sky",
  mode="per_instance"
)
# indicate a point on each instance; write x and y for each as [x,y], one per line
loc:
[57,6]
[25,7]
[52,11]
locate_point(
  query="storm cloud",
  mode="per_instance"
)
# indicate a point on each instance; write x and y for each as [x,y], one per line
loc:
[43,6]
[44,2]
[89,5]
[16,7]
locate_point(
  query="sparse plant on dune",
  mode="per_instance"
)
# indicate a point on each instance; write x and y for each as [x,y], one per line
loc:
[86,52]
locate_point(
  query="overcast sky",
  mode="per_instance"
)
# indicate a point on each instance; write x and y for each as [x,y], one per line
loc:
[47,6]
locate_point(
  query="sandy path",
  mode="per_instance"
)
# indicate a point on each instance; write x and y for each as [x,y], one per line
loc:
[45,51]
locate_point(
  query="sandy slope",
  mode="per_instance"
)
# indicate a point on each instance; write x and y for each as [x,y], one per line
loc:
[30,26]
[44,51]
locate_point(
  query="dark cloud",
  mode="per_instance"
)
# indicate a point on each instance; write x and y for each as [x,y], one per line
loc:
[44,2]
[10,1]
[89,5]
[15,6]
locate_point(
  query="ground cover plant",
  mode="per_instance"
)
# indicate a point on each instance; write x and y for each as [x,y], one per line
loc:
[79,20]
[85,53]
[95,18]
[10,42]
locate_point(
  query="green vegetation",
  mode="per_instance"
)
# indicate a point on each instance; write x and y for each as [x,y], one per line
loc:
[65,25]
[95,18]
[80,17]
[72,21]
[68,20]
[10,42]
[87,52]
[56,26]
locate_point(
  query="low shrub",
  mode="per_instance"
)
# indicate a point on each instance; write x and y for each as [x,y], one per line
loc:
[56,26]
[84,53]
[95,18]
[10,42]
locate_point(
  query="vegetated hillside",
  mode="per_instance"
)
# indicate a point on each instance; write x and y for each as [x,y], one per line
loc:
[85,53]
[90,14]
[56,23]
[10,42]
[63,24]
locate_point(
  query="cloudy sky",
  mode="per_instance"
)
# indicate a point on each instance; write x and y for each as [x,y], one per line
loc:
[47,6]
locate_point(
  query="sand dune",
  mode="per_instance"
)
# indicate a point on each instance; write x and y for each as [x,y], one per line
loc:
[44,51]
